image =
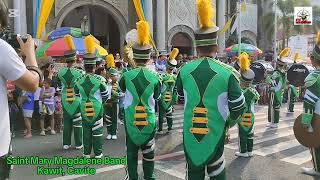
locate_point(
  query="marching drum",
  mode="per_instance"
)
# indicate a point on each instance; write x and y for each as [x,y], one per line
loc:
[297,73]
[261,69]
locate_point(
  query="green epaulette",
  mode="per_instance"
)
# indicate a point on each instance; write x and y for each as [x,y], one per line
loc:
[101,78]
[312,79]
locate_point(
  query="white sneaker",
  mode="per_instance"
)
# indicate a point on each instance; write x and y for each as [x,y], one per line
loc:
[268,124]
[79,147]
[109,137]
[65,147]
[160,132]
[86,156]
[53,132]
[274,125]
[42,133]
[114,137]
[98,157]
[239,154]
[310,171]
[250,154]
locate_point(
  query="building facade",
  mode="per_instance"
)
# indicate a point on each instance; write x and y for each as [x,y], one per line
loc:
[172,22]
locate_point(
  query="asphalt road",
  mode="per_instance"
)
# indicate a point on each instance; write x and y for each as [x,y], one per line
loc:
[278,155]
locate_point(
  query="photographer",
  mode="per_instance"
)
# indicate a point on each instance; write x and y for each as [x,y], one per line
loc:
[25,76]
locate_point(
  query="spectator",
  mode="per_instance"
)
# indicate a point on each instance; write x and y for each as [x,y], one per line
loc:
[12,68]
[47,96]
[26,102]
[58,112]
[13,111]
[161,63]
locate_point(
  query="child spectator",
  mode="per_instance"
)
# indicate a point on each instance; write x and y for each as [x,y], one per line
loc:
[26,101]
[58,112]
[47,96]
[13,112]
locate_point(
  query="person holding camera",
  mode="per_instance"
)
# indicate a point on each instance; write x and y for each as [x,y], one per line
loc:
[24,75]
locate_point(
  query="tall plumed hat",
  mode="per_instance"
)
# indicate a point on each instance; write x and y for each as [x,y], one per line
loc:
[90,57]
[172,62]
[283,54]
[247,75]
[110,61]
[142,48]
[71,54]
[206,35]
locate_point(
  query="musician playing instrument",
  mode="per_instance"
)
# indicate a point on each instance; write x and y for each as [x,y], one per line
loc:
[311,107]
[277,82]
[246,126]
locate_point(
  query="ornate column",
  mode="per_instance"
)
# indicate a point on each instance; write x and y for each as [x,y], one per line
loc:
[20,21]
[221,9]
[149,14]
[161,25]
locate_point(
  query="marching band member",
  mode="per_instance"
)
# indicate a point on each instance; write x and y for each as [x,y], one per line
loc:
[167,92]
[311,106]
[209,87]
[66,77]
[246,126]
[277,82]
[112,104]
[94,92]
[293,92]
[142,88]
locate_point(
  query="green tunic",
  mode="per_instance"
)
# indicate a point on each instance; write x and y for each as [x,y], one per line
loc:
[94,92]
[278,83]
[252,96]
[167,90]
[213,99]
[142,88]
[66,81]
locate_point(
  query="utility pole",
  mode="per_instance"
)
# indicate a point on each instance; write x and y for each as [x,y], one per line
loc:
[239,30]
[275,30]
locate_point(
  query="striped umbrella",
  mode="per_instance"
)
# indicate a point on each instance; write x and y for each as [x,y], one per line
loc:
[248,48]
[59,47]
[61,32]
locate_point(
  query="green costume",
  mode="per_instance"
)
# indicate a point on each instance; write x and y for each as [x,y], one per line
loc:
[112,107]
[277,82]
[311,107]
[246,126]
[142,89]
[246,129]
[213,102]
[167,99]
[94,92]
[168,91]
[293,95]
[72,120]
[206,114]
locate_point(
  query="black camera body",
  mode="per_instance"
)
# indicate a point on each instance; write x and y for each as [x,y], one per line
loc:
[11,38]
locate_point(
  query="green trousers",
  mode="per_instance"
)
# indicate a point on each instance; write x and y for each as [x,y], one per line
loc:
[167,113]
[72,123]
[245,140]
[111,114]
[92,136]
[215,166]
[315,153]
[147,159]
[275,101]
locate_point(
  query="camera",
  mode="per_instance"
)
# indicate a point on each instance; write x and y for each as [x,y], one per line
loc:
[11,38]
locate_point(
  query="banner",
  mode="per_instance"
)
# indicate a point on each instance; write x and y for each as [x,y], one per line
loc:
[36,17]
[227,25]
[46,7]
[140,14]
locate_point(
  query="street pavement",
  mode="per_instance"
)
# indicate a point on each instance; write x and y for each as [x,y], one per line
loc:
[278,155]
